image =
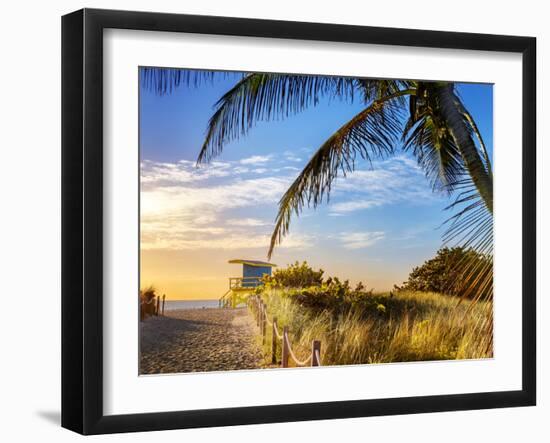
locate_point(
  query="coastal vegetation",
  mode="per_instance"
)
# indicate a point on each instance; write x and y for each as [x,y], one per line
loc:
[359,326]
[147,306]
[445,273]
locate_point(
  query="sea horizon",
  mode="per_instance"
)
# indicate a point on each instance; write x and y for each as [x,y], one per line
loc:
[172,305]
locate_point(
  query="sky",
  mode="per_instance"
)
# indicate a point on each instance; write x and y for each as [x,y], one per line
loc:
[382,220]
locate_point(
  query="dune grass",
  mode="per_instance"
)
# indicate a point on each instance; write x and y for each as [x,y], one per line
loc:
[400,327]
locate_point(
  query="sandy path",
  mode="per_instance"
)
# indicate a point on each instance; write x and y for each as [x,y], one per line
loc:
[199,340]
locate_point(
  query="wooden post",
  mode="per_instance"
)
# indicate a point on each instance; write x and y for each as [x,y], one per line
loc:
[274,341]
[163,302]
[315,353]
[284,354]
[264,323]
[261,315]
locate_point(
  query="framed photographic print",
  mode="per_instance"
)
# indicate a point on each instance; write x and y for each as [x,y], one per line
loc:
[269,221]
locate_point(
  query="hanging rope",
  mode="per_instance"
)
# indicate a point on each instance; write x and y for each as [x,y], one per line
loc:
[259,309]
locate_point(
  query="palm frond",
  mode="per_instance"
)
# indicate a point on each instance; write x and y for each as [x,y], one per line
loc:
[435,150]
[163,81]
[461,131]
[441,133]
[261,97]
[374,89]
[371,134]
[476,132]
[471,227]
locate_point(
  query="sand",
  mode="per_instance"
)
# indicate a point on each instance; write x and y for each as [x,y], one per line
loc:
[197,340]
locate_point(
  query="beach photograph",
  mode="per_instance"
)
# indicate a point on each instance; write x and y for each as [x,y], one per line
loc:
[294,220]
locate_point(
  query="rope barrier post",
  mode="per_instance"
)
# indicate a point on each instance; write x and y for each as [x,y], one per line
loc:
[158,305]
[274,342]
[264,323]
[163,302]
[284,354]
[315,353]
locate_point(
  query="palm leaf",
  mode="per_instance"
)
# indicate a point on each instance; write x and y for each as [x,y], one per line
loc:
[475,131]
[371,134]
[435,150]
[472,225]
[472,228]
[461,131]
[163,81]
[261,97]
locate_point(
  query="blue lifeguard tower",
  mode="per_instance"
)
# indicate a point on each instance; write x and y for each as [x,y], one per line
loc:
[253,271]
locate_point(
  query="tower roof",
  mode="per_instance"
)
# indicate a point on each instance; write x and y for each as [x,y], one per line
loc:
[257,263]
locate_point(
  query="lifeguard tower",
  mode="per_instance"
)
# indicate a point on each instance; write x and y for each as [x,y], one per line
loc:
[253,271]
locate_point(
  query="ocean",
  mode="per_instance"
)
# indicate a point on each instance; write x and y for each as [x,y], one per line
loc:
[190,304]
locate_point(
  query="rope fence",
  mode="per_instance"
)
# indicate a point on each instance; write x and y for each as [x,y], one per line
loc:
[259,309]
[154,306]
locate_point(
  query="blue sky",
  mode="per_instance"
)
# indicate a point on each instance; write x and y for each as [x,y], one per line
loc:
[380,223]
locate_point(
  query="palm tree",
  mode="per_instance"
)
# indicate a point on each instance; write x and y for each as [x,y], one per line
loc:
[425,118]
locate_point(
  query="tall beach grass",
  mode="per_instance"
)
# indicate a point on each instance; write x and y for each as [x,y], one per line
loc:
[400,327]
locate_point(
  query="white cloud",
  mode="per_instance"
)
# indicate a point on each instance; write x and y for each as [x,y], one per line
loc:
[247,222]
[360,240]
[191,200]
[256,159]
[354,205]
[182,210]
[216,206]
[179,241]
[291,156]
[169,174]
[392,181]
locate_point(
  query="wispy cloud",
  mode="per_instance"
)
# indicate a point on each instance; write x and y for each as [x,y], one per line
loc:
[393,181]
[247,222]
[354,205]
[180,209]
[181,241]
[256,159]
[216,205]
[360,240]
[167,174]
[260,170]
[291,156]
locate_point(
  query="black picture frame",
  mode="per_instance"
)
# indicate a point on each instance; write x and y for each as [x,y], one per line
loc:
[82,218]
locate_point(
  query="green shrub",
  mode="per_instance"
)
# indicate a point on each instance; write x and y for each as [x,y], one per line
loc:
[309,289]
[297,275]
[453,271]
